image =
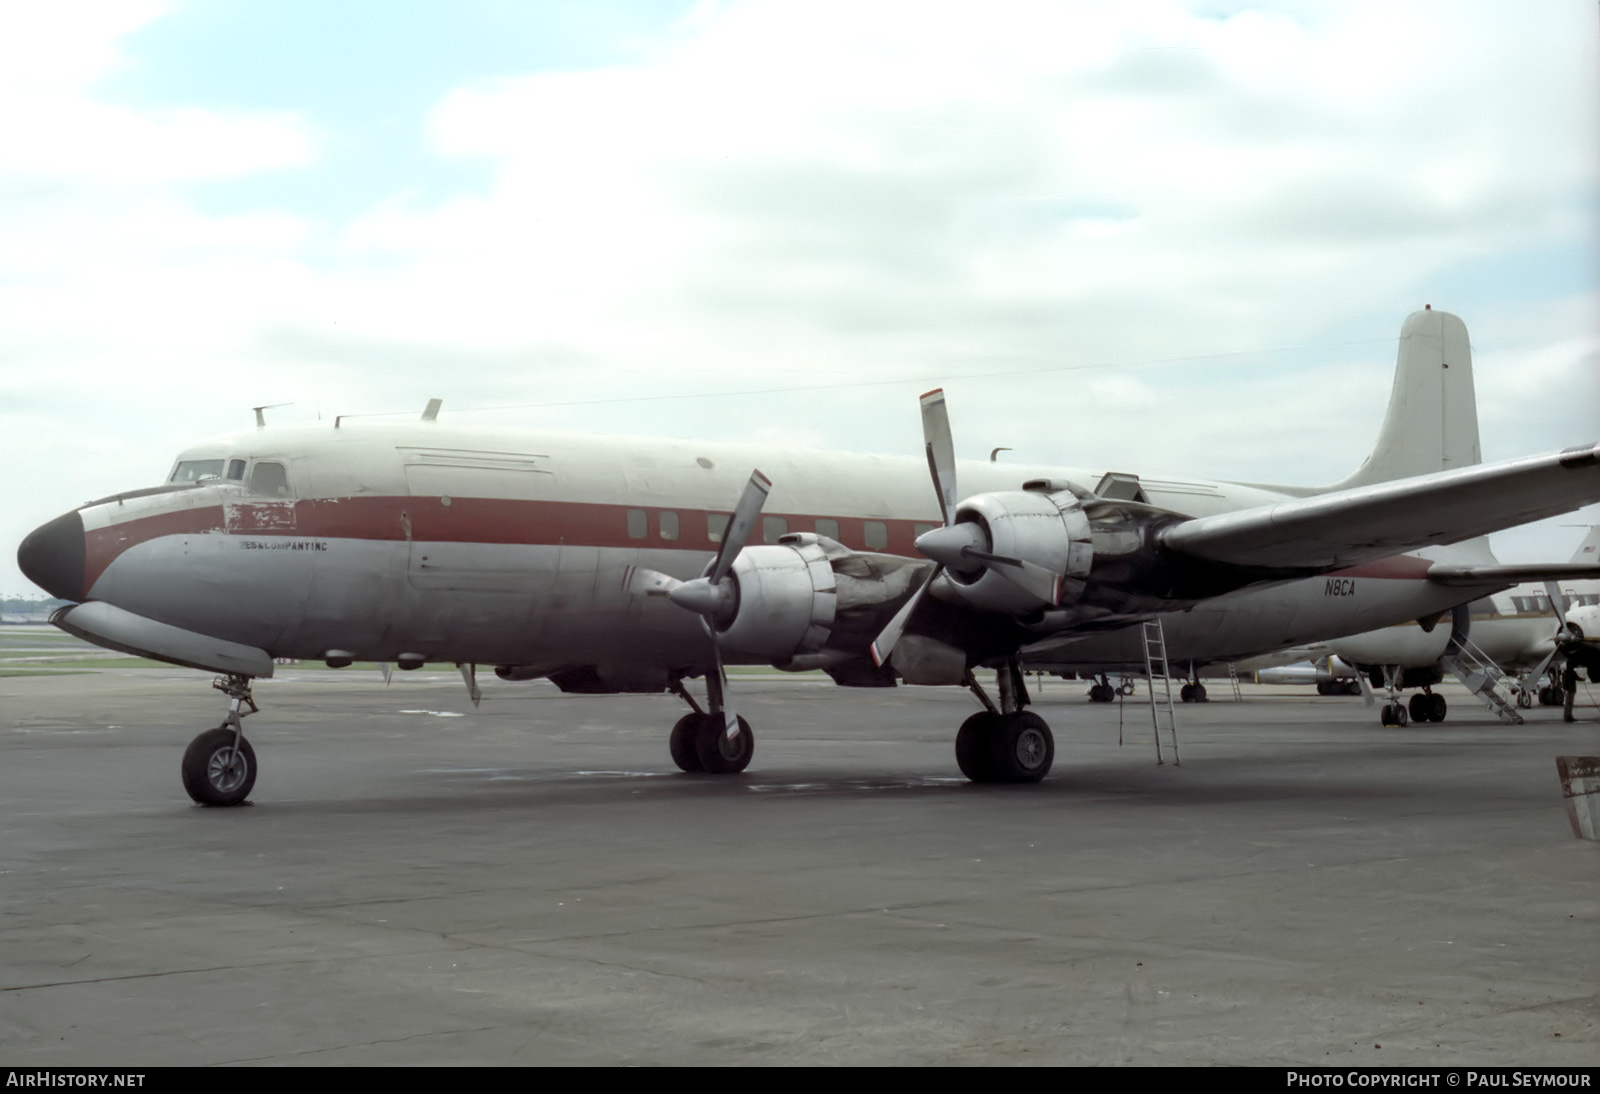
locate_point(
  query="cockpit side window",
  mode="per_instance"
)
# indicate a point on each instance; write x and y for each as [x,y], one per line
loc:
[236,470]
[195,470]
[269,479]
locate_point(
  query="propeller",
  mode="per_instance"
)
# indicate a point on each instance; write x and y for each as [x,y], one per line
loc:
[711,596]
[1564,633]
[962,547]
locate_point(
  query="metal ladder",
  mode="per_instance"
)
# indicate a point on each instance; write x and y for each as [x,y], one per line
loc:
[1473,668]
[1233,678]
[1155,660]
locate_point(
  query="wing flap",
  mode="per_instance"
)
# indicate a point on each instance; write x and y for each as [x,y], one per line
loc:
[1348,527]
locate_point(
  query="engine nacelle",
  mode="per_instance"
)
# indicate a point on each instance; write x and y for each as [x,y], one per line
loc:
[787,599]
[1049,530]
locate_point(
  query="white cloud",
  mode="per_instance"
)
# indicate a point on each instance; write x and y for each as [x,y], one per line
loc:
[786,194]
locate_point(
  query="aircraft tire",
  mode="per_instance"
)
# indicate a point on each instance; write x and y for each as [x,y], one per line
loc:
[1200,693]
[1021,748]
[717,756]
[1440,707]
[212,774]
[1393,716]
[682,743]
[1420,708]
[972,743]
[1186,693]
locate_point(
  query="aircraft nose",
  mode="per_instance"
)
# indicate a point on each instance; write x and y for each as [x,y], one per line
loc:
[52,557]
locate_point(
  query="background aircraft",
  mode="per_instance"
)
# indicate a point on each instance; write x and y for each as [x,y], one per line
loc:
[612,564]
[1530,631]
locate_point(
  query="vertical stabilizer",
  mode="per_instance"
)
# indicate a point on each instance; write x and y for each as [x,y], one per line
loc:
[1588,551]
[1432,420]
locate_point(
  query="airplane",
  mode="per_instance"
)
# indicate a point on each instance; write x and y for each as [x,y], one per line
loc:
[615,564]
[1529,629]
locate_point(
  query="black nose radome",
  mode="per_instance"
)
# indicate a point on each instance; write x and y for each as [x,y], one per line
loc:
[52,557]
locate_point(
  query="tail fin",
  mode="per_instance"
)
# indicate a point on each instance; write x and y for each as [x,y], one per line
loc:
[1589,550]
[1432,421]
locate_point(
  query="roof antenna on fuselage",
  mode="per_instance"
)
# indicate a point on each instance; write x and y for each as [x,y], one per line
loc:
[261,419]
[430,413]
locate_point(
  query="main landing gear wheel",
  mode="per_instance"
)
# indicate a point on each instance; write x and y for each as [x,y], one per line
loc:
[217,773]
[682,743]
[1005,748]
[701,747]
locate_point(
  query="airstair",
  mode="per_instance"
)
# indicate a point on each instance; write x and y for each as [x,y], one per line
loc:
[1155,662]
[1479,675]
[1233,678]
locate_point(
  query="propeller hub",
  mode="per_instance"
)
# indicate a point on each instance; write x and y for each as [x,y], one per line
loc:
[704,597]
[950,545]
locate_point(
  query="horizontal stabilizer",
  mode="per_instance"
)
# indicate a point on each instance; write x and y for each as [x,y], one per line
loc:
[1512,574]
[1365,523]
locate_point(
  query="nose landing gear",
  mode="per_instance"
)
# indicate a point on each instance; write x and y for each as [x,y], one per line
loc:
[219,766]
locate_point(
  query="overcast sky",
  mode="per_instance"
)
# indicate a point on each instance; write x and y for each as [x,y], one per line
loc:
[1153,236]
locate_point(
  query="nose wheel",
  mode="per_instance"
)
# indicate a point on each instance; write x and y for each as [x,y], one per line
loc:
[219,767]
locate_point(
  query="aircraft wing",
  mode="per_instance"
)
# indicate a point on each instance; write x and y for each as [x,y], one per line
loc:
[1348,527]
[1511,574]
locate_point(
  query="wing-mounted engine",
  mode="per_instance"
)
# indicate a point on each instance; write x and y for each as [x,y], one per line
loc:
[1016,551]
[801,596]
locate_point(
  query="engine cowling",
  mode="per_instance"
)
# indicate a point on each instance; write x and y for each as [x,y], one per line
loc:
[1049,530]
[787,598]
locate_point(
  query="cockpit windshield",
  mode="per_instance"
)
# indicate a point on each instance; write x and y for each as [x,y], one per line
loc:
[195,470]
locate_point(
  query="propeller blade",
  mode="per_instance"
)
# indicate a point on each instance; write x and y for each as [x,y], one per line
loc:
[1558,605]
[1030,576]
[638,581]
[884,644]
[730,717]
[1531,681]
[740,524]
[941,448]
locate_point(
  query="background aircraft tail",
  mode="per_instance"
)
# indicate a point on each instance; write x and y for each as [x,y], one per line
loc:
[1432,420]
[1589,550]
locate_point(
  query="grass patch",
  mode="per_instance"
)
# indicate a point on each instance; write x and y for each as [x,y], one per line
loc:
[4,673]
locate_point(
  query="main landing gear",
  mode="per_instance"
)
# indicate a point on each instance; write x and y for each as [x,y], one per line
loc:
[1106,692]
[700,743]
[1009,744]
[219,766]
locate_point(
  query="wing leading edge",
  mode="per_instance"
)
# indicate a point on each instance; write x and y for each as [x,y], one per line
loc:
[1348,527]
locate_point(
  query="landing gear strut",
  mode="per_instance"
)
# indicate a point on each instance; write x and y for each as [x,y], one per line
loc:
[1009,744]
[219,766]
[700,743]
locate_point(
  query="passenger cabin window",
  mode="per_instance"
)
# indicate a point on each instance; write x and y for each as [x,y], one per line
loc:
[716,524]
[669,524]
[236,470]
[876,534]
[827,526]
[268,479]
[195,470]
[772,528]
[638,524]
